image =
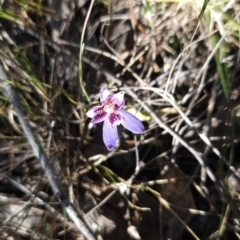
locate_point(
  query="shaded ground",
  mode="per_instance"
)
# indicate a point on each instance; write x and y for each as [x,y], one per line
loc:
[180,73]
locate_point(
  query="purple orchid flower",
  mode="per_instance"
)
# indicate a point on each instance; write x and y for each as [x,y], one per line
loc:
[110,111]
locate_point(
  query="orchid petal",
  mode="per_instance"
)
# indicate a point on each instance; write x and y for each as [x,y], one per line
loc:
[119,96]
[104,93]
[115,118]
[92,112]
[110,135]
[116,99]
[131,122]
[99,118]
[97,114]
[119,105]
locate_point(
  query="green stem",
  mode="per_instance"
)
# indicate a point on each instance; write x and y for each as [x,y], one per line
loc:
[81,52]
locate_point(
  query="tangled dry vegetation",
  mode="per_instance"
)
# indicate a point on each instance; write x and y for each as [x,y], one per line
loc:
[179,66]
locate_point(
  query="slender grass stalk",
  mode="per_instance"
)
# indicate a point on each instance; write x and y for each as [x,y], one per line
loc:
[81,52]
[10,15]
[222,70]
[203,9]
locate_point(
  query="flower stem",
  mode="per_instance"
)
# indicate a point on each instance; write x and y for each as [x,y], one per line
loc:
[81,52]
